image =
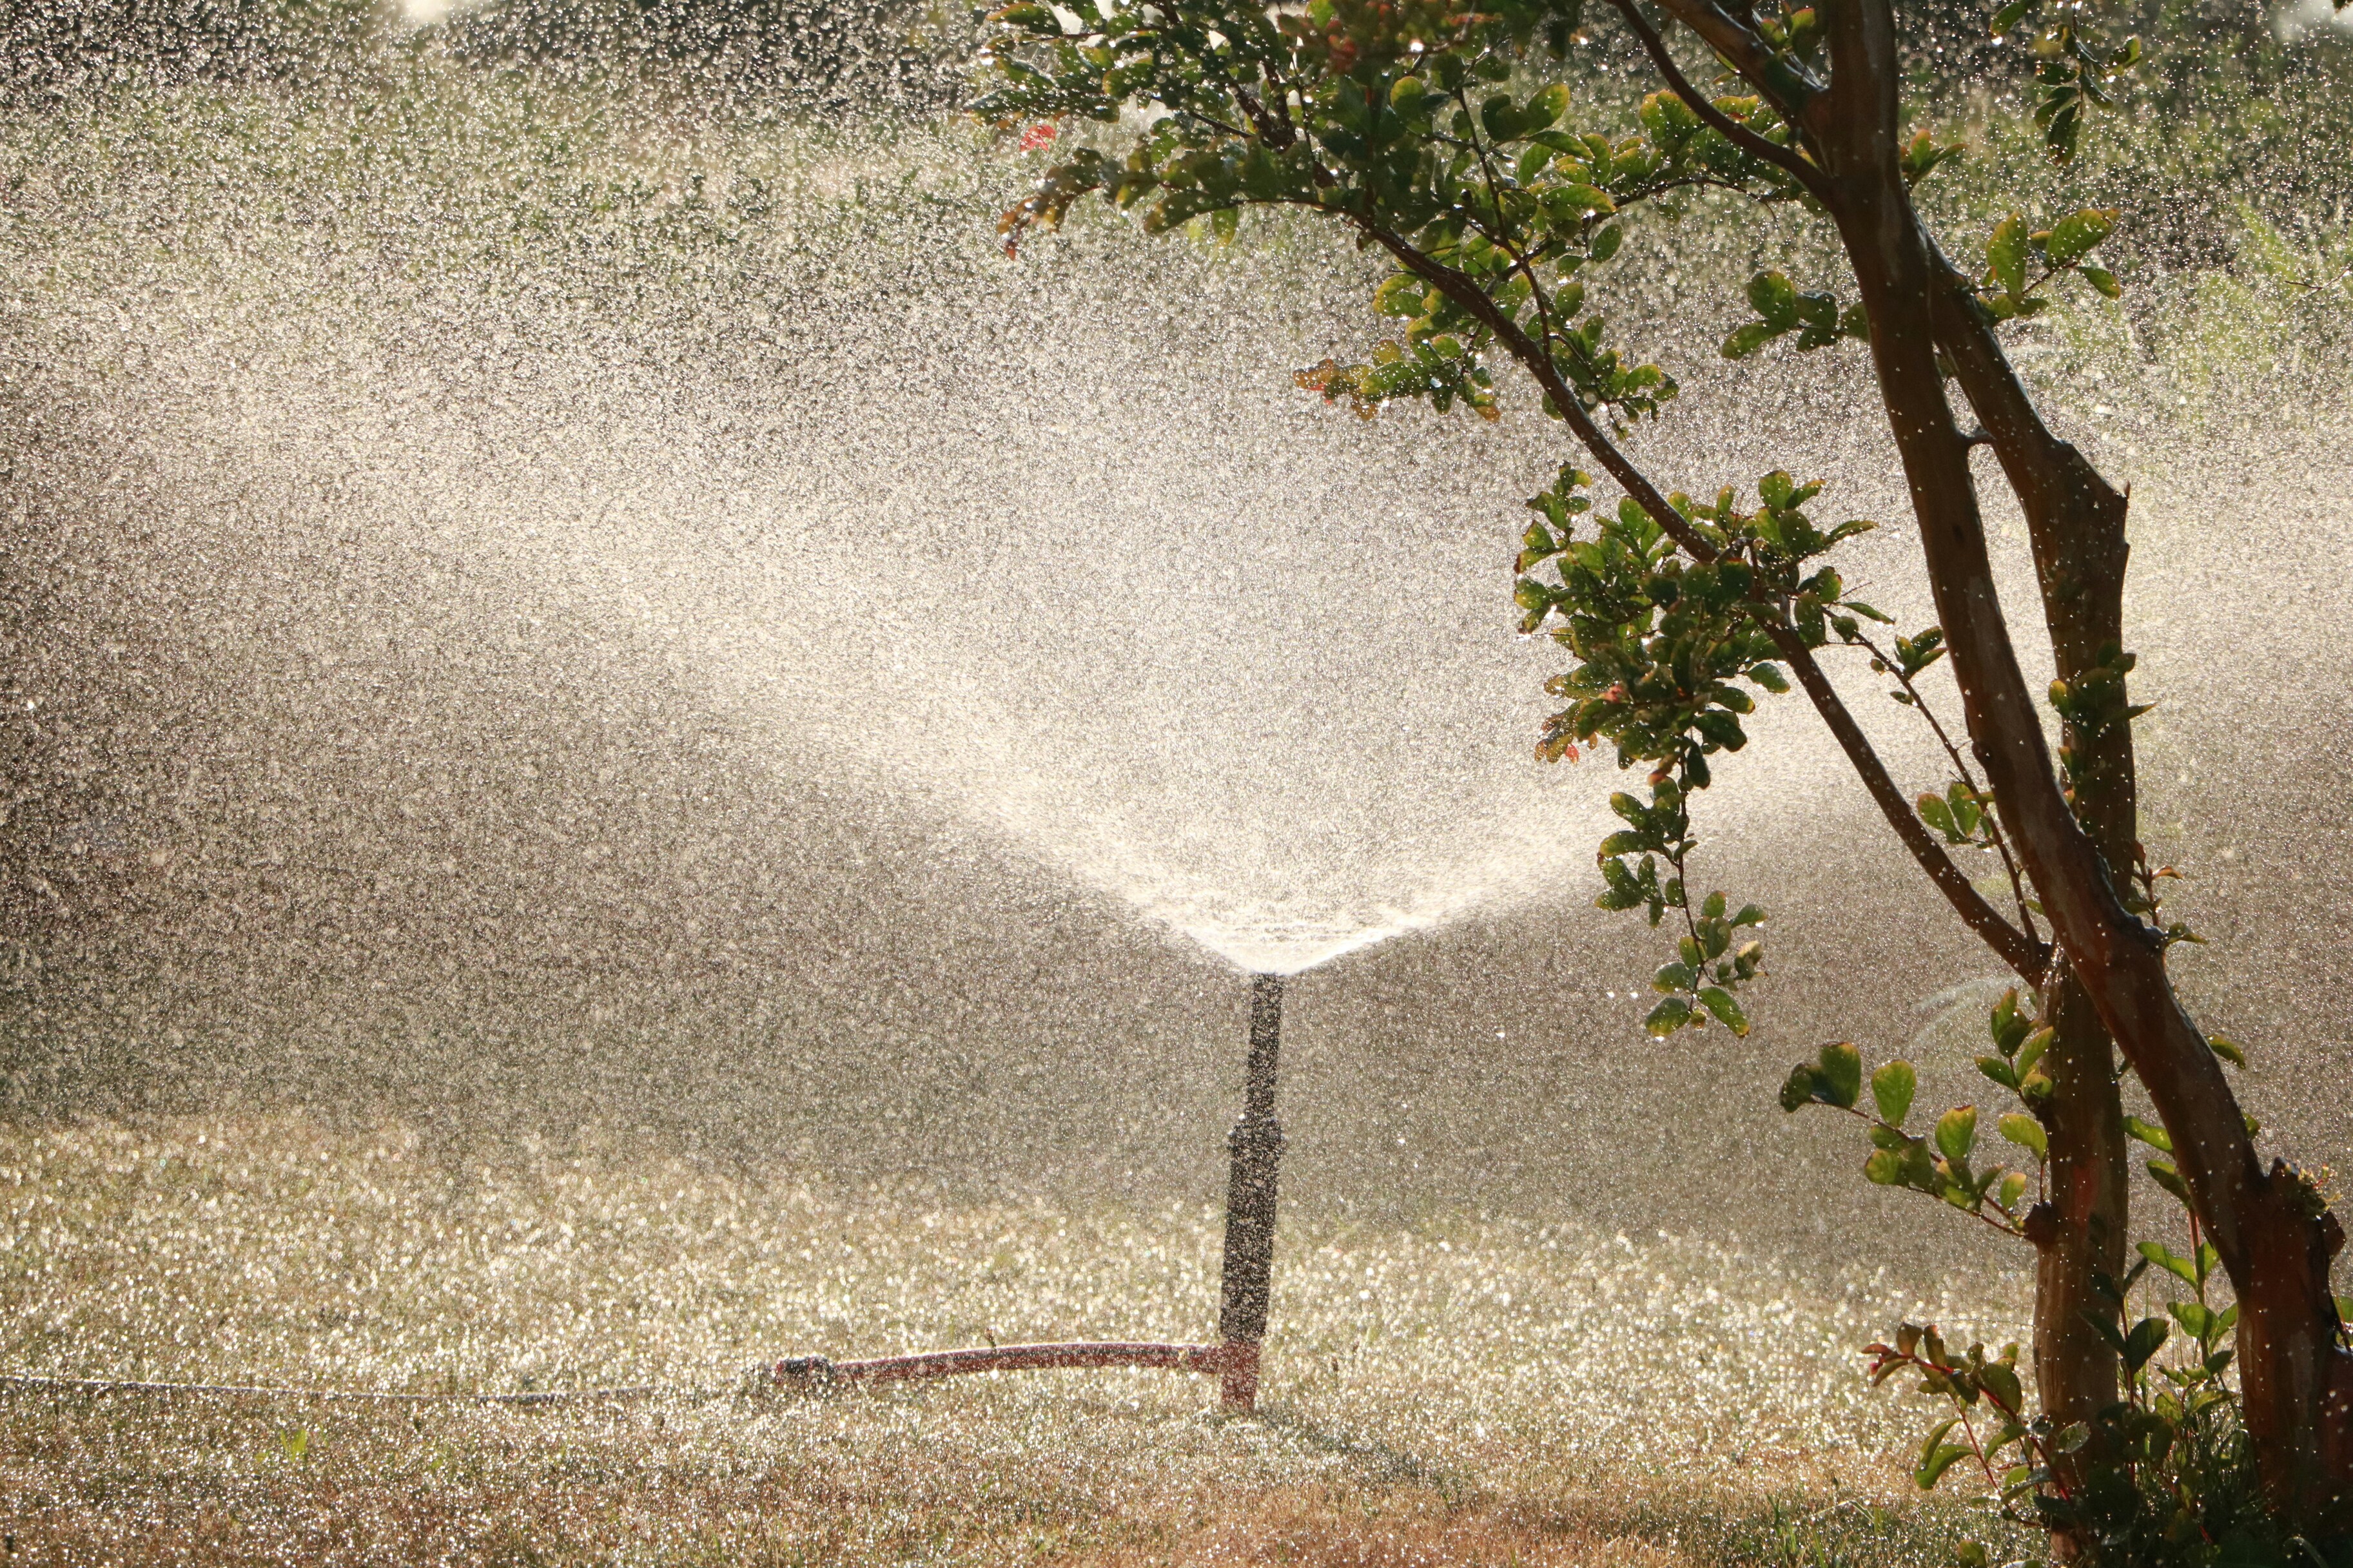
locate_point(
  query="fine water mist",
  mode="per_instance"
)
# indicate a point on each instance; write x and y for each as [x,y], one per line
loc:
[625,752]
[632,608]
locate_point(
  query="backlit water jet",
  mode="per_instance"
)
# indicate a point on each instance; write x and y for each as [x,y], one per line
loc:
[610,717]
[566,615]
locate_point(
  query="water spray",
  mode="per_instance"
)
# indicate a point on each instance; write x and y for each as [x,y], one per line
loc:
[1245,1275]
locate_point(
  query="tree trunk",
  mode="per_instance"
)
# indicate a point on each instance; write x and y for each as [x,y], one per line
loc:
[2076,522]
[2078,1230]
[2275,1239]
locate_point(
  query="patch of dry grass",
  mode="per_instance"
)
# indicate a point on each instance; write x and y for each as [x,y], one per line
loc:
[1462,1392]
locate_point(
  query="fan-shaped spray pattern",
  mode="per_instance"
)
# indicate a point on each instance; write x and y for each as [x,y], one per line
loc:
[1047,544]
[772,415]
[735,441]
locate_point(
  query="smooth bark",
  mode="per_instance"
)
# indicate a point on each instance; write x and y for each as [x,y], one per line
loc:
[2272,1237]
[2079,1228]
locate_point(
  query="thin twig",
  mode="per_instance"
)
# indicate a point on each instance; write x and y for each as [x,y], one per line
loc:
[1993,824]
[2012,1231]
[1508,241]
[1787,161]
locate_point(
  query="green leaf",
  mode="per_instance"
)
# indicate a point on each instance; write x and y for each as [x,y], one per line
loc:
[1546,106]
[2006,255]
[1775,298]
[1669,120]
[2171,1262]
[1966,814]
[1840,1074]
[2026,1133]
[1892,1088]
[2010,15]
[2166,1176]
[1671,1014]
[2228,1049]
[2031,1051]
[1746,341]
[1721,728]
[2073,236]
[1940,1459]
[1957,1133]
[2147,1337]
[2149,1132]
[1799,1089]
[1720,1002]
[2006,1024]
[2198,1319]
[2002,1381]
[2101,278]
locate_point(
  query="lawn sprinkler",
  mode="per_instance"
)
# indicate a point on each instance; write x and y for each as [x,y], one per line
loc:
[1245,1277]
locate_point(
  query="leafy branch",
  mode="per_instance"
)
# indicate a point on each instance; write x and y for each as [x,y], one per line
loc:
[1964,814]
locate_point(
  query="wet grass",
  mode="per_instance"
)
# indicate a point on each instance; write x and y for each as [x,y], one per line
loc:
[1463,1391]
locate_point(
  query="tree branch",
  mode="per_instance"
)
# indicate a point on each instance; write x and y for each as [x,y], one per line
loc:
[2029,958]
[1993,819]
[1795,92]
[1788,160]
[2051,477]
[2021,953]
[1460,287]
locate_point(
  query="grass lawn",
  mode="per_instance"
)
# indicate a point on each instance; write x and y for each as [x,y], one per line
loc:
[1463,1391]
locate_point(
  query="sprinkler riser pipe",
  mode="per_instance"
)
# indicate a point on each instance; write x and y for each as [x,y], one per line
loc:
[1255,1149]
